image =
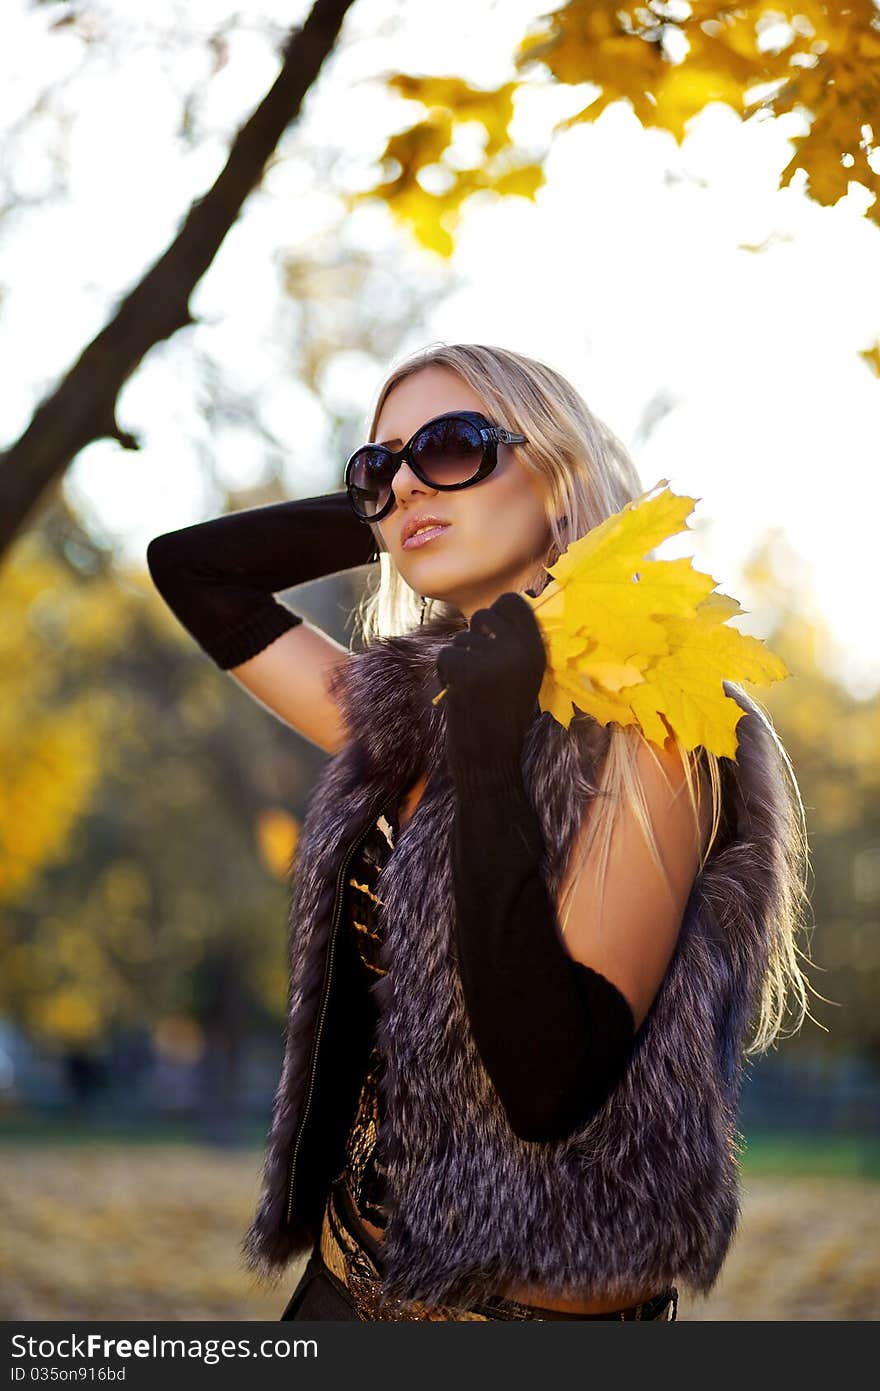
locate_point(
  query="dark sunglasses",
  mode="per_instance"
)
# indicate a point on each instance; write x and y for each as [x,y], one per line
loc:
[449,451]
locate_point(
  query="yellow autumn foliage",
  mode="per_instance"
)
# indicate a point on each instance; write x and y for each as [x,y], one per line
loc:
[70,1015]
[645,642]
[819,58]
[871,356]
[277,833]
[53,745]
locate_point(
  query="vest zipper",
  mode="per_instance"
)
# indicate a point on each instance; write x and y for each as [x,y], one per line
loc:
[325,996]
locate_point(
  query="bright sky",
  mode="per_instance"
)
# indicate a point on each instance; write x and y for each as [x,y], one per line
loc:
[630,274]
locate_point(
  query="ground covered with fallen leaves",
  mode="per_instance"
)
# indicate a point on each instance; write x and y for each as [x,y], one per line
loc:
[108,1231]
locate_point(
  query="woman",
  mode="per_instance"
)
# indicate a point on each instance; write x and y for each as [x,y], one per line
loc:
[524,958]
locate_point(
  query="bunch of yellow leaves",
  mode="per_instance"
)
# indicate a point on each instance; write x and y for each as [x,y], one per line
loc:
[645,641]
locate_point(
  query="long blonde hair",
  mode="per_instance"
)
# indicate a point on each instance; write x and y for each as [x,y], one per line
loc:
[588,475]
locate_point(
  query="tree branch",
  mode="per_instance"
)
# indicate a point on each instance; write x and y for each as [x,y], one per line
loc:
[82,407]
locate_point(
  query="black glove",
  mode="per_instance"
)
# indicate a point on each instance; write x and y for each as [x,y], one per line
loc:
[218,577]
[493,672]
[554,1035]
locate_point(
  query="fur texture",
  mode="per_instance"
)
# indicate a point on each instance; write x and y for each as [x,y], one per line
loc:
[645,1194]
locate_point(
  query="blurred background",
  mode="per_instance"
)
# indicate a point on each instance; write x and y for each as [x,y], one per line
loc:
[216,233]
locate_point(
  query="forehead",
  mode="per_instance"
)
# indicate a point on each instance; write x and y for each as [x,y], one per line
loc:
[430,391]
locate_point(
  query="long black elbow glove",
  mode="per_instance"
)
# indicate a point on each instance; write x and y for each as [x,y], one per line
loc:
[553,1034]
[218,577]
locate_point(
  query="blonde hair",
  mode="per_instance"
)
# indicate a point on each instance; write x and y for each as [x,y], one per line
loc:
[588,475]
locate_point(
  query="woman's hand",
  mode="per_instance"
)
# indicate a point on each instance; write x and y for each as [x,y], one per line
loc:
[493,672]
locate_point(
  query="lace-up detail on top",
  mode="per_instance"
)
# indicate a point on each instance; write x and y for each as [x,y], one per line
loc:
[363,1171]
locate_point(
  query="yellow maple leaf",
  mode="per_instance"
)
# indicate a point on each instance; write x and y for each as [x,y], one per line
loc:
[685,687]
[640,641]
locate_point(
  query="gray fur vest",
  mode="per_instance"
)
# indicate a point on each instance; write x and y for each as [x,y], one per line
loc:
[644,1194]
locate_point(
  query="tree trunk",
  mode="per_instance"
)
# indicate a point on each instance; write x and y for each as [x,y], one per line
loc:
[82,407]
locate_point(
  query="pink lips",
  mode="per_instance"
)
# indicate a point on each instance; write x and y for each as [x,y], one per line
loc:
[421,538]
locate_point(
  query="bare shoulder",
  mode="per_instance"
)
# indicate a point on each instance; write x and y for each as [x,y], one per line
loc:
[291,679]
[631,937]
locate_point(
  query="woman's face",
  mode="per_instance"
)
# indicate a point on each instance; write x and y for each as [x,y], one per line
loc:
[496,532]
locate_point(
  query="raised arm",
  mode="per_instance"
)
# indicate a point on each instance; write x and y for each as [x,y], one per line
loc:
[219,577]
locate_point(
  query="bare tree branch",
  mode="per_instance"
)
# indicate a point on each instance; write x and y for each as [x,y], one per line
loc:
[82,407]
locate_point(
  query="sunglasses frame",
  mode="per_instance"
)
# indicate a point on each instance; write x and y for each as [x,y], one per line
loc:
[491,435]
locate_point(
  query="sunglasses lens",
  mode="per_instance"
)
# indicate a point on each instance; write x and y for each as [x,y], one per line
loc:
[448,452]
[369,479]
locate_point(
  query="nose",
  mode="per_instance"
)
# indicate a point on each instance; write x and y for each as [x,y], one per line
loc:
[405,485]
